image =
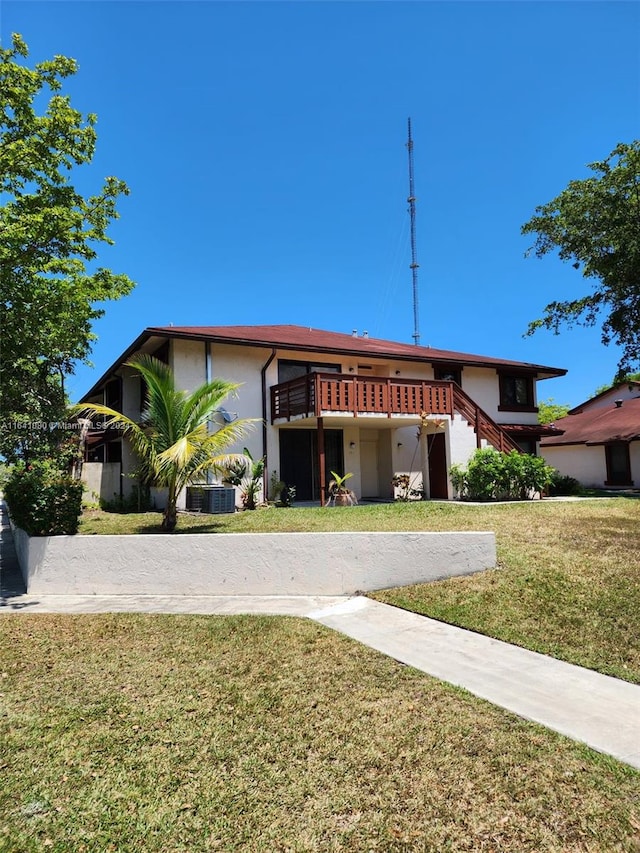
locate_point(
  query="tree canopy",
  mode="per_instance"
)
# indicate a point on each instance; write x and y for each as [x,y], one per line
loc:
[595,224]
[549,411]
[50,281]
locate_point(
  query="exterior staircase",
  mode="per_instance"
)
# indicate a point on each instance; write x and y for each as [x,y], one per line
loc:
[485,427]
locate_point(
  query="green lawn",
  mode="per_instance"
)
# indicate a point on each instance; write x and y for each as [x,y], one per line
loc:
[190,733]
[567,584]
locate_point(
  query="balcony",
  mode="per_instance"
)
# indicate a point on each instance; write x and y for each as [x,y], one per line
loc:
[318,395]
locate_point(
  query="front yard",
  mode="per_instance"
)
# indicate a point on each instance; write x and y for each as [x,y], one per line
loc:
[567,583]
[191,733]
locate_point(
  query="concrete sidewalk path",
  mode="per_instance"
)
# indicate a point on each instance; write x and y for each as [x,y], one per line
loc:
[213,605]
[598,710]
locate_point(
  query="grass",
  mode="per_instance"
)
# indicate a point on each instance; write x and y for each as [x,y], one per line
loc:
[567,582]
[189,733]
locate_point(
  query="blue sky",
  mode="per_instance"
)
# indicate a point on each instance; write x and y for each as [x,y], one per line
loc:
[264,146]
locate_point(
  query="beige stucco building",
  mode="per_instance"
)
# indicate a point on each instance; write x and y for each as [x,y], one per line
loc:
[328,401]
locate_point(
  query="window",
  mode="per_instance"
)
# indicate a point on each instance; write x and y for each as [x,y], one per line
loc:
[162,353]
[618,464]
[113,394]
[448,374]
[114,451]
[516,393]
[288,370]
[96,454]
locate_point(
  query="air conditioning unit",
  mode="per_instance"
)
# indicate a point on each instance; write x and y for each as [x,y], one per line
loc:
[213,499]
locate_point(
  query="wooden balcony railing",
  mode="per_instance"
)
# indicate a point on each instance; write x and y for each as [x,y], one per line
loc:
[318,394]
[328,393]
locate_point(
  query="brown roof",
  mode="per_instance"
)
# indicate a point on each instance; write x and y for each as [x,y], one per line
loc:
[599,425]
[317,340]
[530,429]
[303,338]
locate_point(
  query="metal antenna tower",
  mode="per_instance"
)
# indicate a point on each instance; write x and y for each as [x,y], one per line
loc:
[414,263]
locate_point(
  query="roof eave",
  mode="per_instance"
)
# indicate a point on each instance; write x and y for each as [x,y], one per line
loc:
[541,371]
[450,358]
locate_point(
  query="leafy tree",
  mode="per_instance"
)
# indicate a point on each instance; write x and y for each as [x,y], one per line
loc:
[50,237]
[549,411]
[595,224]
[173,442]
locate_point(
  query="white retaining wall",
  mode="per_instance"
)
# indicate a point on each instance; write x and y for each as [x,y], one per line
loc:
[246,564]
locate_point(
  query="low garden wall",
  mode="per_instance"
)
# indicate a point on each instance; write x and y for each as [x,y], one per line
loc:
[246,564]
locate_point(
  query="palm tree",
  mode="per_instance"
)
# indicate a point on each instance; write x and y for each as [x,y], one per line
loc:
[173,442]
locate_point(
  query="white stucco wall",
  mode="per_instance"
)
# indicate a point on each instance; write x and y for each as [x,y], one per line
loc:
[101,481]
[243,365]
[588,465]
[622,392]
[634,457]
[189,363]
[483,386]
[247,564]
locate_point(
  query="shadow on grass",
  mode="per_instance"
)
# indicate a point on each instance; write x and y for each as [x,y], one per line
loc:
[113,523]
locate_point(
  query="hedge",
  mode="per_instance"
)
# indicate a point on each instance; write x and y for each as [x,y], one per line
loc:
[42,500]
[495,476]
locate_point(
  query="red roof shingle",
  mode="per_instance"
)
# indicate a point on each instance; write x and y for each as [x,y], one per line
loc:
[303,338]
[599,425]
[306,338]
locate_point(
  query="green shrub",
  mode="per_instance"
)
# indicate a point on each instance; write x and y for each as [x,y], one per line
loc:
[562,484]
[138,500]
[247,475]
[42,500]
[485,478]
[493,476]
[525,474]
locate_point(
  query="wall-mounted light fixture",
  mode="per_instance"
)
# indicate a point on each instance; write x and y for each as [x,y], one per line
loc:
[397,373]
[399,444]
[351,370]
[352,445]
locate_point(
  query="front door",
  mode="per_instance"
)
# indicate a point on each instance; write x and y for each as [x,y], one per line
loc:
[369,479]
[438,478]
[299,460]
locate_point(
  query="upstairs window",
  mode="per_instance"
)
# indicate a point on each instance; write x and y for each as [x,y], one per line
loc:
[113,394]
[446,373]
[162,353]
[516,393]
[288,370]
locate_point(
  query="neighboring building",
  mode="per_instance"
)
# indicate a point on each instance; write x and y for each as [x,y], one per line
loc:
[337,402]
[599,444]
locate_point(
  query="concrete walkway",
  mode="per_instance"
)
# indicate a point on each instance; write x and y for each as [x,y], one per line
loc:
[598,710]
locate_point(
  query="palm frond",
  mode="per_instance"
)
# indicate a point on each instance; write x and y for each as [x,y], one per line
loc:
[174,444]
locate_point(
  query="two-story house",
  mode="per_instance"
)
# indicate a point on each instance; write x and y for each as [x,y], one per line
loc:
[337,402]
